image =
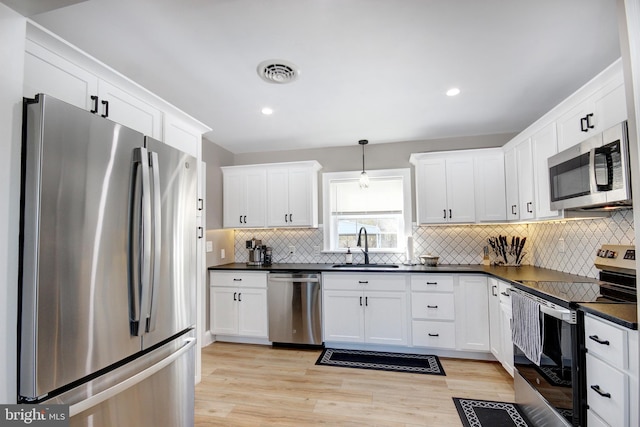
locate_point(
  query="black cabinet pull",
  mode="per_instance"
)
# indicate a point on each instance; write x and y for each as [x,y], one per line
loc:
[434,335]
[366,301]
[493,289]
[513,209]
[106,108]
[432,306]
[449,213]
[432,283]
[583,124]
[237,280]
[200,232]
[596,388]
[245,219]
[239,296]
[240,219]
[95,104]
[363,282]
[200,204]
[234,296]
[444,213]
[589,125]
[529,207]
[290,217]
[598,340]
[360,301]
[505,294]
[285,218]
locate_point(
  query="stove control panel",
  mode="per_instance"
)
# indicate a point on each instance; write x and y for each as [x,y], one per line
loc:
[616,258]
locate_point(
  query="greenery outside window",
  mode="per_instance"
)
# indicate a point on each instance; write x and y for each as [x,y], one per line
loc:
[383,209]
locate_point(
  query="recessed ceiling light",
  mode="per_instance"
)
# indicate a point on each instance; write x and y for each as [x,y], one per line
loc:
[267,111]
[453,91]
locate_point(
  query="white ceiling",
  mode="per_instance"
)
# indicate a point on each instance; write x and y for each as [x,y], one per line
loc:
[373,69]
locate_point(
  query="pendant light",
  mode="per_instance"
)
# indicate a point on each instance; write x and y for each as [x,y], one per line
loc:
[364,178]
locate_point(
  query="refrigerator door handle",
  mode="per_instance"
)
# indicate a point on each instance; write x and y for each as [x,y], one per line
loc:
[131,381]
[157,240]
[140,245]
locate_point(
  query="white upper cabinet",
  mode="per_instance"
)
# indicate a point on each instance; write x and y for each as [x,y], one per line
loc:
[511,184]
[524,167]
[271,195]
[180,135]
[292,195]
[244,192]
[444,188]
[599,111]
[489,184]
[544,144]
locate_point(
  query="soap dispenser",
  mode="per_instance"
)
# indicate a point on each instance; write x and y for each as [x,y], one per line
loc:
[349,257]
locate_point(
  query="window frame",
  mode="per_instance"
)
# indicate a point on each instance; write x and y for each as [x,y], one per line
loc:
[327,177]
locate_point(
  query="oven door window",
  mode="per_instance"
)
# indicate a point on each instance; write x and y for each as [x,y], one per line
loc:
[555,377]
[570,179]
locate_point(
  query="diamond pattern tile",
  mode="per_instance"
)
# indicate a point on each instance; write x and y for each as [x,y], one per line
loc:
[463,244]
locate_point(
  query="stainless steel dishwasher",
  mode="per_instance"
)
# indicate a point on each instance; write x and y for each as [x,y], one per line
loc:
[295,308]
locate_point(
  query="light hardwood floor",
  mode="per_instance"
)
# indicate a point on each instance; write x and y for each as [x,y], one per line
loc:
[252,385]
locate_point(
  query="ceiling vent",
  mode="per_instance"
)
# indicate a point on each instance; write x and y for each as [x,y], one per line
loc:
[278,71]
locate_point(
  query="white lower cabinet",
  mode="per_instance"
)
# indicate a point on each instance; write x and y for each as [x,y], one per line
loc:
[472,313]
[433,311]
[365,308]
[612,373]
[239,304]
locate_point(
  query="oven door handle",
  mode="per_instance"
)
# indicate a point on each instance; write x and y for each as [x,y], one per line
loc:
[559,313]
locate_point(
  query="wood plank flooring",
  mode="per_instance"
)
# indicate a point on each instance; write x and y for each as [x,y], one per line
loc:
[253,385]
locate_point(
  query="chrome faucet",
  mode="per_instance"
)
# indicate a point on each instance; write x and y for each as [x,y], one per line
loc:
[365,251]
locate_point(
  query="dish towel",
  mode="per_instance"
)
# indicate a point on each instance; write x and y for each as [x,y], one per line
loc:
[527,330]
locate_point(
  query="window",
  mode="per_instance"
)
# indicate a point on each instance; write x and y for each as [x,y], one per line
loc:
[383,210]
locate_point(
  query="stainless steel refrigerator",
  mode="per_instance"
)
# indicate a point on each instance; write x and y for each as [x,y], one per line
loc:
[108,250]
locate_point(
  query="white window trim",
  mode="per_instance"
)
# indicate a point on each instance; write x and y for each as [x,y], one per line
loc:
[327,177]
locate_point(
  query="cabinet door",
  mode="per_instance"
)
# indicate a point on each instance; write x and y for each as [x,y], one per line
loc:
[343,316]
[179,135]
[233,199]
[385,318]
[472,313]
[431,191]
[524,161]
[252,312]
[507,340]
[610,107]
[301,192]
[571,130]
[224,310]
[495,332]
[544,145]
[46,72]
[511,184]
[490,187]
[255,202]
[278,197]
[129,110]
[460,190]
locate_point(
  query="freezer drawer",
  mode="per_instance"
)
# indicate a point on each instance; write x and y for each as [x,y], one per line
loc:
[155,390]
[295,308]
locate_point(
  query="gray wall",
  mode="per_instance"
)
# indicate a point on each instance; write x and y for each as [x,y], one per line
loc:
[214,156]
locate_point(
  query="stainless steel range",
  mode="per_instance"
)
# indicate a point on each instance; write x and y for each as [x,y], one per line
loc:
[548,357]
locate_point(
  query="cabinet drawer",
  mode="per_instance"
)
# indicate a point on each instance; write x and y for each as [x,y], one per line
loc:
[367,282]
[609,342]
[432,282]
[434,334]
[238,279]
[428,305]
[611,382]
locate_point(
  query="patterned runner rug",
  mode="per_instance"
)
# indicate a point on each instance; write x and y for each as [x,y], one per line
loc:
[485,413]
[400,362]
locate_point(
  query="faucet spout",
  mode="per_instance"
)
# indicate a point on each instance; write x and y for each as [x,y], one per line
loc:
[365,251]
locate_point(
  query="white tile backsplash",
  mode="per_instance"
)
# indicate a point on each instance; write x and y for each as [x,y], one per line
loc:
[463,244]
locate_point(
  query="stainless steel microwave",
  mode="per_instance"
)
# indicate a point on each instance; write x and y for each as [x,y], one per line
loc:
[593,174]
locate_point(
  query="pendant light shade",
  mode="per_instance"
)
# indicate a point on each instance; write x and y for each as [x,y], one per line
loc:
[364,178]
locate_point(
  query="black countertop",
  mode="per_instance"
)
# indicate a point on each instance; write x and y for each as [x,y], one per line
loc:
[624,314]
[619,313]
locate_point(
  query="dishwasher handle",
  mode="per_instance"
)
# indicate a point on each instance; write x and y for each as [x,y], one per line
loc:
[294,279]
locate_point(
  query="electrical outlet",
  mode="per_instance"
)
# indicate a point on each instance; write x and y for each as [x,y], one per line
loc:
[222,253]
[561,247]
[209,246]
[292,249]
[317,249]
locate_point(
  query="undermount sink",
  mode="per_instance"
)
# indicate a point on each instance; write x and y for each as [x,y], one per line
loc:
[364,266]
